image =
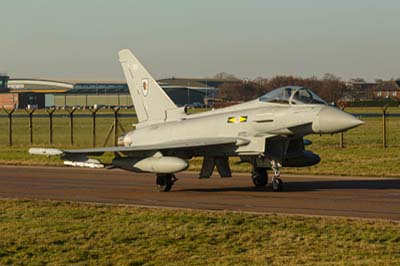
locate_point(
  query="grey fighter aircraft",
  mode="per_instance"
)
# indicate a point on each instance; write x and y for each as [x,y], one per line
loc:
[266,132]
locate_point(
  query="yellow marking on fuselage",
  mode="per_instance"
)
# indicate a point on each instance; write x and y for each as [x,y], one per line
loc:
[237,119]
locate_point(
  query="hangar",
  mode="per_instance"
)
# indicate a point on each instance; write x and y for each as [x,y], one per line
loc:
[43,93]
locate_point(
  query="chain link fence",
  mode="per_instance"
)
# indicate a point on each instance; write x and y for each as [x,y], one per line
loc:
[64,127]
[102,127]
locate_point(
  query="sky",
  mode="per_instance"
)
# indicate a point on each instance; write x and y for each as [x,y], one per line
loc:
[80,39]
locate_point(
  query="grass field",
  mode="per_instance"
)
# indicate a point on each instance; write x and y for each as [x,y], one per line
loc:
[63,233]
[363,154]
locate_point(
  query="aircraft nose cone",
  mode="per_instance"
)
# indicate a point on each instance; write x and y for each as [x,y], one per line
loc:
[333,120]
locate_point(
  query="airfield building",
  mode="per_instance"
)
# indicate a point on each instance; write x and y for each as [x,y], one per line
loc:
[3,82]
[43,93]
[380,90]
[387,90]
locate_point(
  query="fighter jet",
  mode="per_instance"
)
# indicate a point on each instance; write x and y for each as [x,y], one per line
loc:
[267,132]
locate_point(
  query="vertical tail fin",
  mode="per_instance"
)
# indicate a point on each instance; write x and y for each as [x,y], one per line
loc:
[149,99]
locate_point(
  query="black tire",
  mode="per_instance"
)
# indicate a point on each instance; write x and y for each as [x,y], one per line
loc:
[164,183]
[277,185]
[259,177]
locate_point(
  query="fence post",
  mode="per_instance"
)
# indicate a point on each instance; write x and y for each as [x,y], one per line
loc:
[9,115]
[30,112]
[71,124]
[384,108]
[116,110]
[341,133]
[93,111]
[50,111]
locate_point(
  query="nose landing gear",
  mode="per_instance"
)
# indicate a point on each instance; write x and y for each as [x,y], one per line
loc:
[259,177]
[277,183]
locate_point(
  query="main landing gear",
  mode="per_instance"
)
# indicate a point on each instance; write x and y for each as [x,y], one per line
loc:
[165,181]
[260,177]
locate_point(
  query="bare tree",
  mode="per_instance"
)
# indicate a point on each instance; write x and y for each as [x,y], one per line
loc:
[331,88]
[224,75]
[330,76]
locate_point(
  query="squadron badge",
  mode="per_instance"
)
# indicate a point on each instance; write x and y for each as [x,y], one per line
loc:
[145,86]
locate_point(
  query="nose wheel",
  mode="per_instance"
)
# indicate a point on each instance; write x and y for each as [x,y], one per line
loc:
[277,184]
[165,181]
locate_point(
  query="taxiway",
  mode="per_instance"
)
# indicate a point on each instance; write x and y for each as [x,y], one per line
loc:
[309,195]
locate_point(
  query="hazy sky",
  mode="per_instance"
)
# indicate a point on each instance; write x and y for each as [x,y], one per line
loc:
[81,38]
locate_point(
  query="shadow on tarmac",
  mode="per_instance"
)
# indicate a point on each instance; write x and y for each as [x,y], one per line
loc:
[313,186]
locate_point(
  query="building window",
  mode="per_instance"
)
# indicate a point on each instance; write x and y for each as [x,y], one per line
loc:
[379,93]
[394,94]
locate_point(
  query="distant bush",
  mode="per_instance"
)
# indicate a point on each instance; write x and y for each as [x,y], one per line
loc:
[374,103]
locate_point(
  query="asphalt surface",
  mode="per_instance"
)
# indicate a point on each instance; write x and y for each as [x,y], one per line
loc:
[315,195]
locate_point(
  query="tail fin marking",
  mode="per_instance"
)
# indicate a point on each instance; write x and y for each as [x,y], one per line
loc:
[150,101]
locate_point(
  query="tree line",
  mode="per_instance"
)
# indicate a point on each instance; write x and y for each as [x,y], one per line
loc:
[329,87]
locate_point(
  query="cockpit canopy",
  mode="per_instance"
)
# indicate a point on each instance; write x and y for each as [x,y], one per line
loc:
[292,95]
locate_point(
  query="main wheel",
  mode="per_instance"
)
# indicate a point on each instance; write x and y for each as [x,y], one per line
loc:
[259,177]
[277,185]
[164,182]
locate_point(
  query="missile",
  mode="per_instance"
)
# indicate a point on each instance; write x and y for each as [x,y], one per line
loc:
[158,165]
[45,151]
[85,164]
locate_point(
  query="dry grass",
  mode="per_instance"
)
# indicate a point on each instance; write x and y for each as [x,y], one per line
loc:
[62,233]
